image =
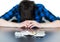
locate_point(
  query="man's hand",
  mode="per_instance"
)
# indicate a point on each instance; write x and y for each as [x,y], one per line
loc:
[33,24]
[24,24]
[29,24]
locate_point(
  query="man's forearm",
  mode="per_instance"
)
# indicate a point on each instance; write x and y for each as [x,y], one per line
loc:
[8,23]
[9,26]
[51,24]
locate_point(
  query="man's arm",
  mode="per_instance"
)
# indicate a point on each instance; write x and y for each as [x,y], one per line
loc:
[50,27]
[7,16]
[11,13]
[47,14]
[9,26]
[8,23]
[51,24]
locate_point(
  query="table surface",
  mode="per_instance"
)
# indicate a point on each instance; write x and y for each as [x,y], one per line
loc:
[49,37]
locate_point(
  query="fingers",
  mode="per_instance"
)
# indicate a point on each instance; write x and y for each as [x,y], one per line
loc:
[26,23]
[32,26]
[29,24]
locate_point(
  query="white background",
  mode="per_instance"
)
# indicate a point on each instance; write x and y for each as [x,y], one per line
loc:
[52,5]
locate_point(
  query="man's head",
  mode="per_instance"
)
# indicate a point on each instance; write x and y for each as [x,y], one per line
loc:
[25,0]
[27,10]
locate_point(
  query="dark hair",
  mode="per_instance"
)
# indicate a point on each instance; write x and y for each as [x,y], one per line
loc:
[27,10]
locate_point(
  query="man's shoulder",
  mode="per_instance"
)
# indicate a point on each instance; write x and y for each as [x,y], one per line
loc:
[39,5]
[16,6]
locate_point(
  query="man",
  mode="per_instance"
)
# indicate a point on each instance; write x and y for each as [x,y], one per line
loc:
[37,11]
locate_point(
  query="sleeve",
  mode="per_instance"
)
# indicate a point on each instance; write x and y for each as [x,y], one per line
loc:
[8,15]
[48,15]
[58,18]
